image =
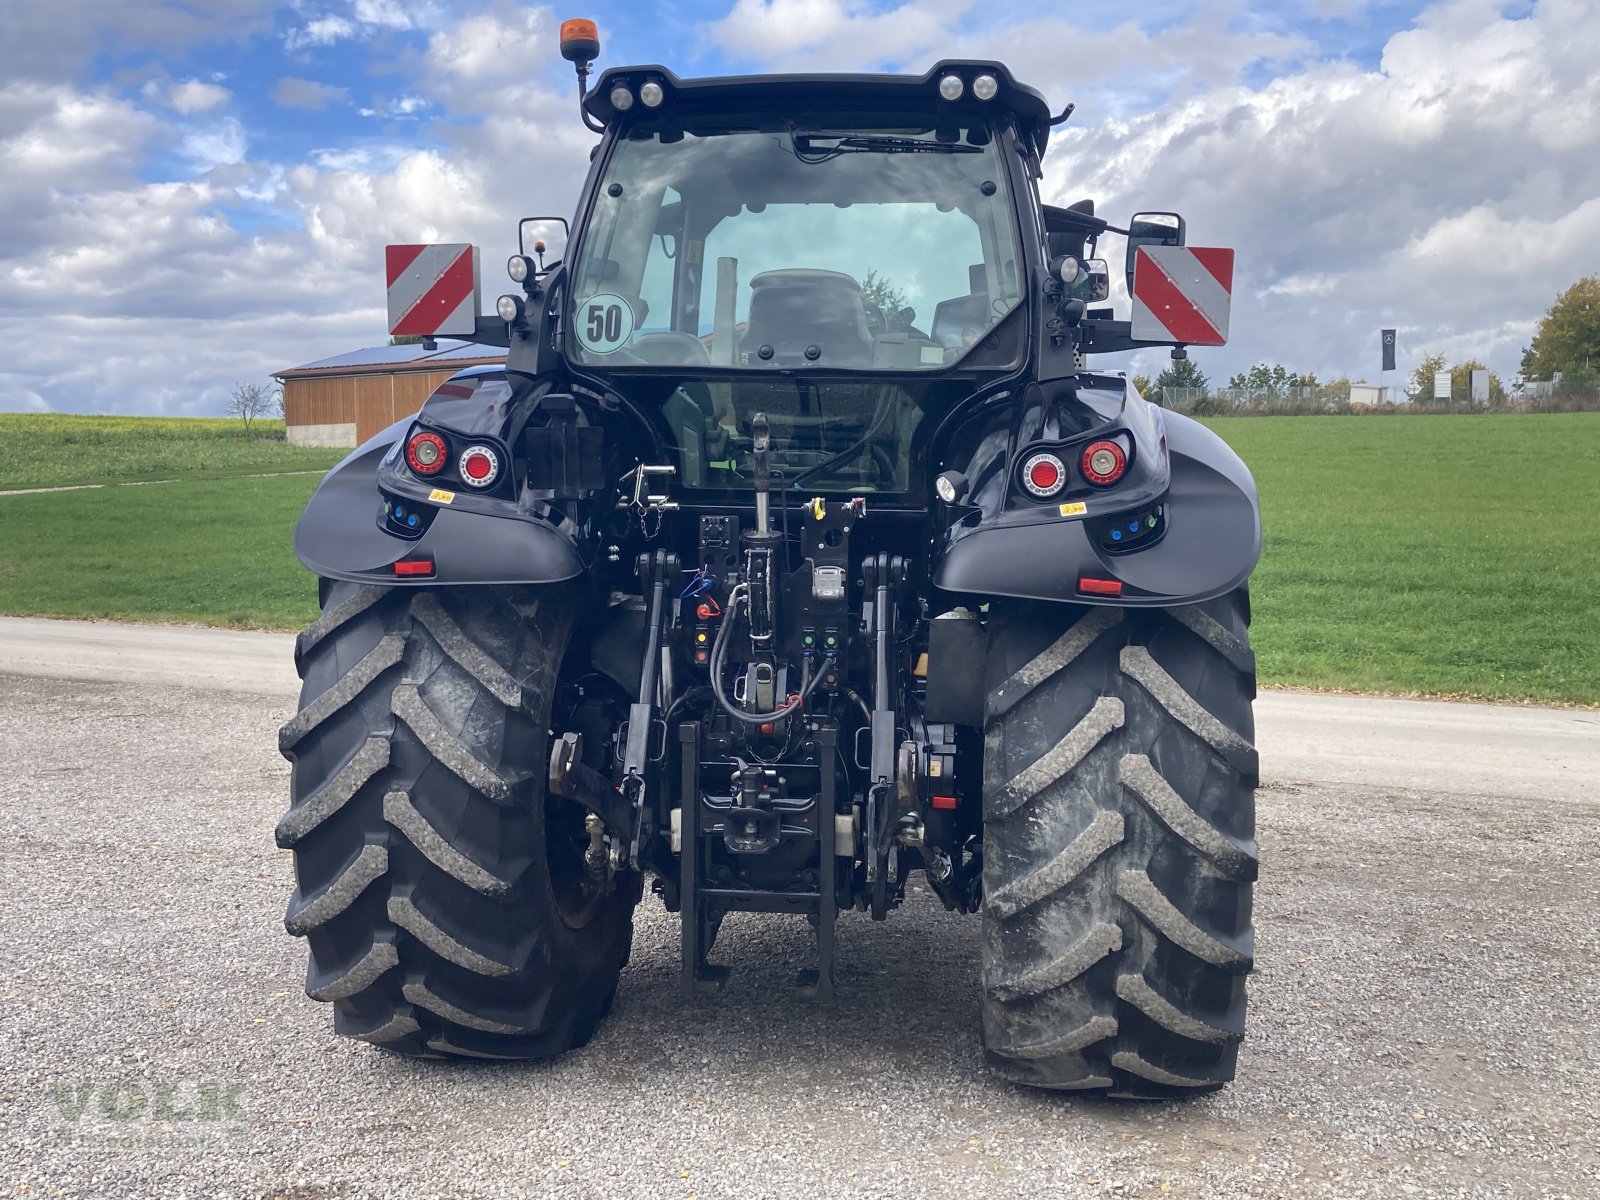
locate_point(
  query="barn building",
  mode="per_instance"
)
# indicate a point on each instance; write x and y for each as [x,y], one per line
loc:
[342,401]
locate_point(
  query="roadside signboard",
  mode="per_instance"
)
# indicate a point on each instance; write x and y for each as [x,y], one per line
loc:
[433,290]
[1182,294]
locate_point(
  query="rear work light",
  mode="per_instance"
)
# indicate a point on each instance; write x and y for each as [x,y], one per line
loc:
[479,466]
[1044,475]
[426,453]
[1103,462]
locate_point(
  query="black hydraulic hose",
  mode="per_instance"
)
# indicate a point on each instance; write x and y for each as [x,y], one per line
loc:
[808,682]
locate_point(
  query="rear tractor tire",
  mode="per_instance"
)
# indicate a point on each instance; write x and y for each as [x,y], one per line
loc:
[441,892]
[1119,851]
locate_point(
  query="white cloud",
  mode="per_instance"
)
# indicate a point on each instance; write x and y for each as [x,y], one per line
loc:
[323,31]
[221,143]
[1451,191]
[196,96]
[387,14]
[49,43]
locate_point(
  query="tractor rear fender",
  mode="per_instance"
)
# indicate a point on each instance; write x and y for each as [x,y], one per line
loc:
[346,531]
[1209,545]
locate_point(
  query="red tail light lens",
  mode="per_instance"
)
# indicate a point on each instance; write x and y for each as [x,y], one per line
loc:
[1044,475]
[426,453]
[480,466]
[1103,462]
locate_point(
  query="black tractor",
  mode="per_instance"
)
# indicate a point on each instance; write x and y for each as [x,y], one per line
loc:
[795,549]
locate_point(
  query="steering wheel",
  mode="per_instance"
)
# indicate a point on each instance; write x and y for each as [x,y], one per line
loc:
[671,348]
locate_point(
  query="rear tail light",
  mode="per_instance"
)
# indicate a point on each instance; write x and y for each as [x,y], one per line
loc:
[1099,587]
[1103,462]
[426,453]
[479,466]
[1044,475]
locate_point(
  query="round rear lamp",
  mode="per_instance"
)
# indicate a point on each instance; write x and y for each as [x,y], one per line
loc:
[984,87]
[651,94]
[1103,462]
[426,453]
[621,98]
[951,87]
[1044,475]
[479,466]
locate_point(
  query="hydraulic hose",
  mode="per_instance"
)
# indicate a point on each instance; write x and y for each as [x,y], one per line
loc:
[808,681]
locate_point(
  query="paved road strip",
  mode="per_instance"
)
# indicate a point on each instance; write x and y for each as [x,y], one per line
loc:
[1366,741]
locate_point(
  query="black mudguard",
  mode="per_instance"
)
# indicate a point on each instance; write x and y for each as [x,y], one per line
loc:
[341,535]
[1211,544]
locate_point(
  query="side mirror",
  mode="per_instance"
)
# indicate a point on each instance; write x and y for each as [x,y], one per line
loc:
[545,237]
[1152,229]
[1094,285]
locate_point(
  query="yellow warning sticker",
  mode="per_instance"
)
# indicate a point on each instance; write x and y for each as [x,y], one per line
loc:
[440,496]
[1076,509]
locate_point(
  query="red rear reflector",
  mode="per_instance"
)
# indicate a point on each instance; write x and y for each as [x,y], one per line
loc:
[1100,587]
[414,566]
[1103,462]
[425,453]
[943,802]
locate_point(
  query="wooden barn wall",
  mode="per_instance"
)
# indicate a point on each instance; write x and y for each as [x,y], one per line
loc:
[381,400]
[372,402]
[324,400]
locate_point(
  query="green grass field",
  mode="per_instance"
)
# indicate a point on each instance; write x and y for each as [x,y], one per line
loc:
[1447,555]
[1443,555]
[60,449]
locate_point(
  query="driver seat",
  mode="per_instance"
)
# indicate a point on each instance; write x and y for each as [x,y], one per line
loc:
[799,307]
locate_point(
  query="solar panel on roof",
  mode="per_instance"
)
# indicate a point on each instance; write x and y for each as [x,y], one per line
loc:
[385,356]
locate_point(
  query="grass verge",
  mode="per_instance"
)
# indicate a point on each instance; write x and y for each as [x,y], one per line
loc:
[1440,555]
[1445,555]
[64,449]
[215,552]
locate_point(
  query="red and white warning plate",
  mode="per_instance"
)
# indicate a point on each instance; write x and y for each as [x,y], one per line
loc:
[1182,294]
[433,290]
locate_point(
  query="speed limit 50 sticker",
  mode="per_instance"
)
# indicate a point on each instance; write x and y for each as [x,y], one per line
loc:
[604,323]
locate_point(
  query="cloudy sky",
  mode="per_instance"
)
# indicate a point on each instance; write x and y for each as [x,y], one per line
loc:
[197,193]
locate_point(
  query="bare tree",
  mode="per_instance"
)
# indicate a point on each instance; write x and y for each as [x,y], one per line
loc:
[247,401]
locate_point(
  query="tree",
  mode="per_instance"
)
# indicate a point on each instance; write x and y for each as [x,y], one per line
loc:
[880,290]
[1182,374]
[406,339]
[1141,384]
[1569,334]
[1422,376]
[248,401]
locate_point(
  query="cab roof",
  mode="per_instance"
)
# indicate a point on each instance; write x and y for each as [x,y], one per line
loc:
[813,92]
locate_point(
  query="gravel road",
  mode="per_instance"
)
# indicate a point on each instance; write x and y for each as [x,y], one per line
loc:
[1423,1018]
